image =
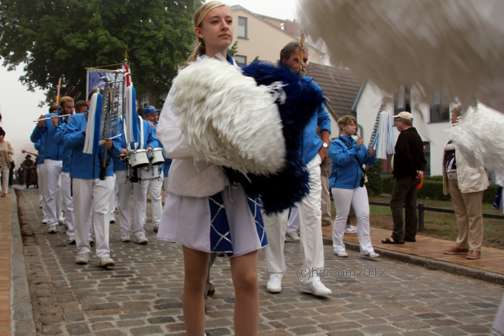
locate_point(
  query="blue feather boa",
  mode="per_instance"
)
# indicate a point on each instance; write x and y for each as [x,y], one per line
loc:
[283,190]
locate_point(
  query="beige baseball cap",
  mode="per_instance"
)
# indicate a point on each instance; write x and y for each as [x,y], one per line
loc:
[404,115]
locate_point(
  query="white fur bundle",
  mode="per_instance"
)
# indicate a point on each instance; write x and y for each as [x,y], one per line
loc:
[480,135]
[227,119]
[456,45]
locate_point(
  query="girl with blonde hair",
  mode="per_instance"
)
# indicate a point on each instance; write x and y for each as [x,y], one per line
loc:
[203,211]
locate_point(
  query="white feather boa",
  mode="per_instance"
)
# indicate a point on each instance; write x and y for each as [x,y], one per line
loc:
[226,119]
[480,135]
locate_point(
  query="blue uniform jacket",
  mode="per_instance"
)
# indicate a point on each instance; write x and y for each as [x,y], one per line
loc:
[150,140]
[84,166]
[50,149]
[347,159]
[312,143]
[39,145]
[67,149]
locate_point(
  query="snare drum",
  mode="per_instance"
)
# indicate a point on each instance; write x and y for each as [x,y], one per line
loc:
[149,173]
[157,156]
[138,158]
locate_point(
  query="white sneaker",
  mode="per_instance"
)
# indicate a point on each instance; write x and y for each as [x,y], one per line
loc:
[53,228]
[351,229]
[44,221]
[140,238]
[274,284]
[125,238]
[315,287]
[105,262]
[370,255]
[292,236]
[341,254]
[82,258]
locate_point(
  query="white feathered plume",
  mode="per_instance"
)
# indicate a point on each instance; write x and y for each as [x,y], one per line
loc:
[226,119]
[480,135]
[456,45]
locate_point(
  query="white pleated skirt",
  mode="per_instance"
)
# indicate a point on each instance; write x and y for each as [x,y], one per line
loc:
[228,222]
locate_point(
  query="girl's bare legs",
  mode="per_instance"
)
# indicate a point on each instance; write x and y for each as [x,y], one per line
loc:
[244,273]
[195,277]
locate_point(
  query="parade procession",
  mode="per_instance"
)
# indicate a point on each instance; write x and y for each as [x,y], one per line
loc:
[230,188]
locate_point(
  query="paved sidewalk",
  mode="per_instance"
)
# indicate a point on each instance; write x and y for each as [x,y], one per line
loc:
[5,264]
[430,251]
[142,295]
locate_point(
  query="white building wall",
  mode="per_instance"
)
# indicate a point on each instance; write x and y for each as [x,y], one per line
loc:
[434,133]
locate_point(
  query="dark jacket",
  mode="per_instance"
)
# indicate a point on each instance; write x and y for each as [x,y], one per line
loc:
[409,154]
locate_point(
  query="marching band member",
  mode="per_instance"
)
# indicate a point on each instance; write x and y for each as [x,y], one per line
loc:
[314,149]
[52,152]
[67,106]
[148,141]
[155,186]
[90,193]
[124,187]
[203,212]
[347,182]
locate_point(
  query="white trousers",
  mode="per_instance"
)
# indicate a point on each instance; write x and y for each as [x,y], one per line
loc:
[343,200]
[140,192]
[293,225]
[5,179]
[124,202]
[91,207]
[68,209]
[50,190]
[310,223]
[41,180]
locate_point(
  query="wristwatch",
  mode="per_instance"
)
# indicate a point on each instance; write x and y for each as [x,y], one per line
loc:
[325,145]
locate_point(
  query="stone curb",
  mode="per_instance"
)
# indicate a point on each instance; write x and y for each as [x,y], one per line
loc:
[21,306]
[433,264]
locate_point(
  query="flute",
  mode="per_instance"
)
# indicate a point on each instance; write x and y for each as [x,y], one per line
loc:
[56,116]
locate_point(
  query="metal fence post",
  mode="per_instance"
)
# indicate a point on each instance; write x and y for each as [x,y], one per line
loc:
[421,217]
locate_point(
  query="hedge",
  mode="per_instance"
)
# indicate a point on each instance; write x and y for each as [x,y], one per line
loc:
[433,189]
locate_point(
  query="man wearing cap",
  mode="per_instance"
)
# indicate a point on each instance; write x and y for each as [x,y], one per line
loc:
[409,166]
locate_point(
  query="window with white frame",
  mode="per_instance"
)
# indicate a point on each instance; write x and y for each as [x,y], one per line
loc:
[242,27]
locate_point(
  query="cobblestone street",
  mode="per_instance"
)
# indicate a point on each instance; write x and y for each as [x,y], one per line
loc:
[142,294]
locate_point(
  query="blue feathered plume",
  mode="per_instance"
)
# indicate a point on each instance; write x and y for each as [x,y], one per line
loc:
[286,188]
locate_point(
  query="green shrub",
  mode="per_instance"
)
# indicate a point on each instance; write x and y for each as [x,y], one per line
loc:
[375,183]
[433,189]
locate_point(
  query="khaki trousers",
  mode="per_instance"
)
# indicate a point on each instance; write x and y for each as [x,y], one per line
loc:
[325,169]
[468,213]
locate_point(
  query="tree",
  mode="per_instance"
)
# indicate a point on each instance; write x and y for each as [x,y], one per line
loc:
[63,37]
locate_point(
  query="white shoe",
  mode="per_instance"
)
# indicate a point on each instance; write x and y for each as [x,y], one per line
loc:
[274,284]
[125,238]
[44,221]
[105,262]
[341,254]
[292,236]
[351,229]
[140,238]
[370,255]
[82,258]
[53,228]
[315,287]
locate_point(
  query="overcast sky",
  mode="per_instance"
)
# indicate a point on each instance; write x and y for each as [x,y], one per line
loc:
[19,107]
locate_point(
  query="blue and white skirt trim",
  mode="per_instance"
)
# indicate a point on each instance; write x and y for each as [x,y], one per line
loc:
[228,222]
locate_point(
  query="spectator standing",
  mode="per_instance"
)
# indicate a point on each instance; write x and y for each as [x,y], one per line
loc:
[466,185]
[6,152]
[409,165]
